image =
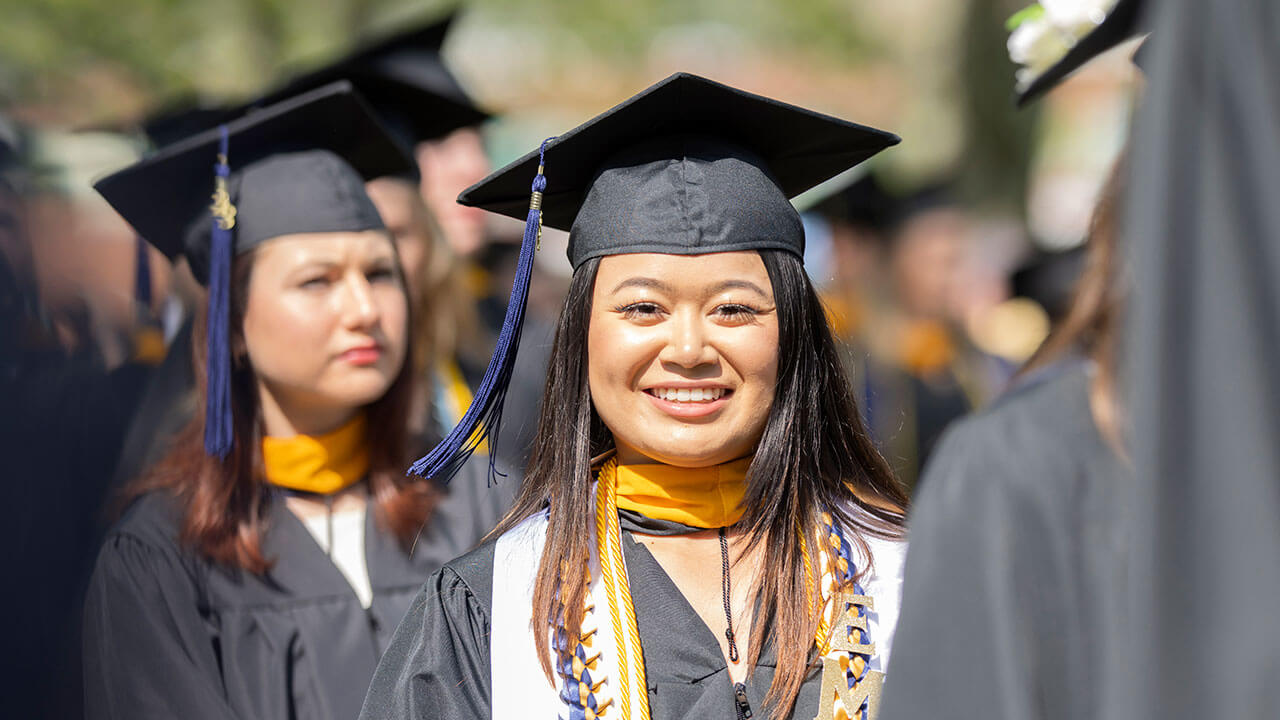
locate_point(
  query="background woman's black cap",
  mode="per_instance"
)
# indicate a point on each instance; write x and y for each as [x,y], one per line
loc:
[687,166]
[296,166]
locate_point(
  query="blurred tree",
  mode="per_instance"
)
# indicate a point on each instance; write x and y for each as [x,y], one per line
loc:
[997,138]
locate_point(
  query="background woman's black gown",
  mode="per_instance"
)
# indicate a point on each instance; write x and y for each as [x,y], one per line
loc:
[168,635]
[1013,574]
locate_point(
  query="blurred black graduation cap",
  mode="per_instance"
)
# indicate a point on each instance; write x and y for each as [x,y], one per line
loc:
[1126,20]
[167,193]
[403,77]
[864,203]
[295,167]
[688,166]
[405,80]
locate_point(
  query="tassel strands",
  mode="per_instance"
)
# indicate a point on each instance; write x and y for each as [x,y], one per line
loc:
[483,418]
[218,433]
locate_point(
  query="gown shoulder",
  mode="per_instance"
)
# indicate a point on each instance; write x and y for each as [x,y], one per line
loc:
[437,665]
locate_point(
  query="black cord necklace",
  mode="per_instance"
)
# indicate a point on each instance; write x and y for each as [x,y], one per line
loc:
[724,585]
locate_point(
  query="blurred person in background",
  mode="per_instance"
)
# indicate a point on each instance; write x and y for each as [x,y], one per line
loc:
[69,380]
[262,564]
[1016,572]
[917,377]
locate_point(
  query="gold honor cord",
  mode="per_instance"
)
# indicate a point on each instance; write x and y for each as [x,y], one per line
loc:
[614,575]
[843,653]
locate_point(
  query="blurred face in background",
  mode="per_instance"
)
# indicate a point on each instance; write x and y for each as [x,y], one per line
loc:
[325,327]
[449,166]
[410,224]
[924,259]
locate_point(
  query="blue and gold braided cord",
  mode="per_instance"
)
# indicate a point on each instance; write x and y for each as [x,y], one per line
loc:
[580,690]
[844,574]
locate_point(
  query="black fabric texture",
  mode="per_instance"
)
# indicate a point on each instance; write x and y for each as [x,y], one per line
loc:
[684,195]
[1203,230]
[314,191]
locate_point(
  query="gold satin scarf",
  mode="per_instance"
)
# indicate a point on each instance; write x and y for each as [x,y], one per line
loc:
[699,497]
[321,464]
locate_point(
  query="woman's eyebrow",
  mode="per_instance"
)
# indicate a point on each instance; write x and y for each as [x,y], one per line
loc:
[736,285]
[644,282]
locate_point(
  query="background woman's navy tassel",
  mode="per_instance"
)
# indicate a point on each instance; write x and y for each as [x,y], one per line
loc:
[484,417]
[218,435]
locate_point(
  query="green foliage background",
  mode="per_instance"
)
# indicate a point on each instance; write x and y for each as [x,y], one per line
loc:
[938,67]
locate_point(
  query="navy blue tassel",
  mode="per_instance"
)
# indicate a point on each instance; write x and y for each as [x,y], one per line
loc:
[142,276]
[484,417]
[218,435]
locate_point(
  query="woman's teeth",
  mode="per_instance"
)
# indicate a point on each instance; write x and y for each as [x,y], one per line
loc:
[689,394]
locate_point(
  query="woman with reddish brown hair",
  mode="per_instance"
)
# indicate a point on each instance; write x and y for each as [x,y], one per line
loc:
[262,565]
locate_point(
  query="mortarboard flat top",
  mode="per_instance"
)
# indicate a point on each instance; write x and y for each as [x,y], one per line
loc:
[798,148]
[1123,22]
[168,192]
[404,78]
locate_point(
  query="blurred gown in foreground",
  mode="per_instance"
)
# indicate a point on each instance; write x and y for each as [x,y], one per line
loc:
[1204,227]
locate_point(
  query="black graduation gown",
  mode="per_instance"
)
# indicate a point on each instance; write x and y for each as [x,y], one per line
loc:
[167,634]
[1014,563]
[438,663]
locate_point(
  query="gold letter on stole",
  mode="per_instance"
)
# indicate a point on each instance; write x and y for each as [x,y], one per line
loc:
[835,686]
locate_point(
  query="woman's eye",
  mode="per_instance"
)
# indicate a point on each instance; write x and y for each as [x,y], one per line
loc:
[735,312]
[318,282]
[381,275]
[639,311]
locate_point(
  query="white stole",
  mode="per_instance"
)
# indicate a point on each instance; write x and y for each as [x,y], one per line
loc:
[520,688]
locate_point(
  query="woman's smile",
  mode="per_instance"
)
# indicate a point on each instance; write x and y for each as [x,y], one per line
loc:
[683,355]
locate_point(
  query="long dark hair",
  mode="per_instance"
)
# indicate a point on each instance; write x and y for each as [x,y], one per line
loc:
[815,454]
[225,502]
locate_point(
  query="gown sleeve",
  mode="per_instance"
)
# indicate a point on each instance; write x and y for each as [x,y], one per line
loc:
[438,663]
[982,585]
[148,653]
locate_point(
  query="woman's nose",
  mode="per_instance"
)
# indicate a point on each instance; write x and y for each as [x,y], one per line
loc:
[361,309]
[687,344]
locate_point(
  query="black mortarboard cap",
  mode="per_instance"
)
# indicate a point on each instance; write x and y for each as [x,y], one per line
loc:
[688,166]
[734,156]
[291,154]
[404,79]
[1123,22]
[295,167]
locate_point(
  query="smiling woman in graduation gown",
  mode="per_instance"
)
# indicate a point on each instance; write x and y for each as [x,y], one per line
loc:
[704,522]
[261,567]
